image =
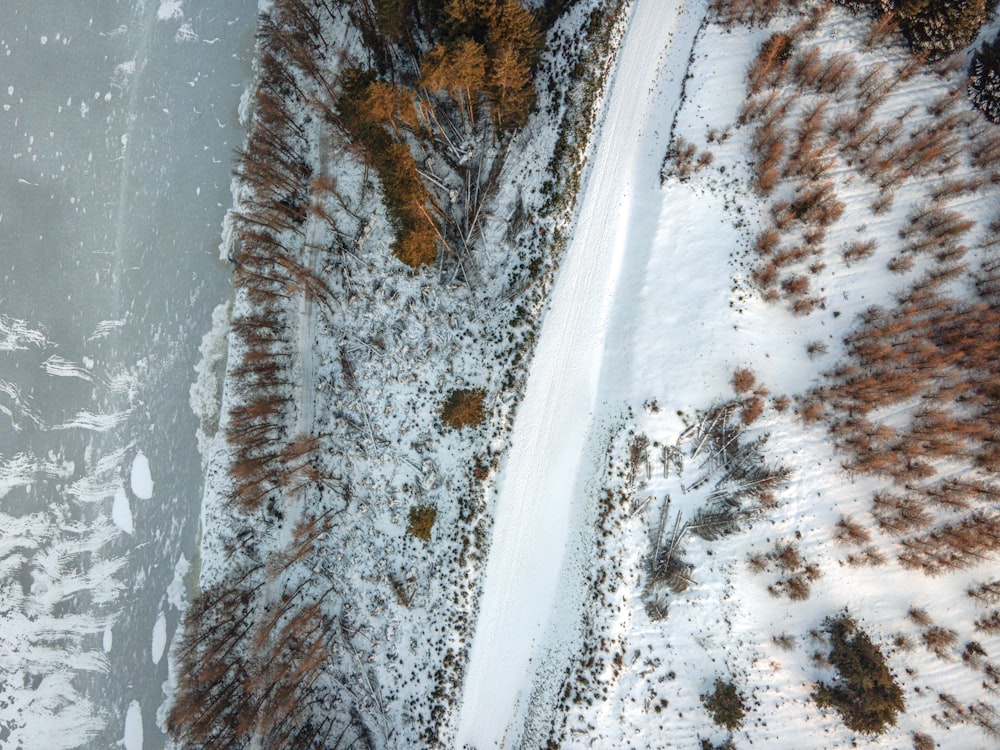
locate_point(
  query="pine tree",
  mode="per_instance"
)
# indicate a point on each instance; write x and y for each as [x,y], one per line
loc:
[984,79]
[510,89]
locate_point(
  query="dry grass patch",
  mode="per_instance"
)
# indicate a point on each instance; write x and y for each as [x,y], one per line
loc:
[464,408]
[421,521]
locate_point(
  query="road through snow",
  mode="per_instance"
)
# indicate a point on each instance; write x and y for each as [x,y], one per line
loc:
[549,464]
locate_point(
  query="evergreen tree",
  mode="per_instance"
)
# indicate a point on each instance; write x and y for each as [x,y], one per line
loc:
[984,79]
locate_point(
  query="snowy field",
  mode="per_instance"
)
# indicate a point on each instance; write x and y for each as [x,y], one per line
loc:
[539,532]
[652,312]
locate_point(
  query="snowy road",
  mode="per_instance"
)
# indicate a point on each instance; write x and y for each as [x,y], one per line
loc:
[542,483]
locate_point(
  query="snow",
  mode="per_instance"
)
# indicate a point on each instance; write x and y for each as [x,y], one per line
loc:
[685,320]
[95,422]
[159,637]
[107,640]
[170,9]
[141,480]
[206,391]
[549,462]
[177,591]
[121,513]
[59,367]
[133,727]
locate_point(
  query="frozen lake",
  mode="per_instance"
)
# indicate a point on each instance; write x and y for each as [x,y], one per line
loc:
[119,121]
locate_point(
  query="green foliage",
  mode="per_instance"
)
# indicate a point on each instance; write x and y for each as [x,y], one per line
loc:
[940,27]
[725,705]
[421,521]
[865,693]
[984,79]
[491,47]
[366,116]
[934,27]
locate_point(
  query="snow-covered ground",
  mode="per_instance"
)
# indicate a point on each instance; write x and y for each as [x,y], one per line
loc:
[652,311]
[685,318]
[539,533]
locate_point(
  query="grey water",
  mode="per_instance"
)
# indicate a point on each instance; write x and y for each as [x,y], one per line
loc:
[118,122]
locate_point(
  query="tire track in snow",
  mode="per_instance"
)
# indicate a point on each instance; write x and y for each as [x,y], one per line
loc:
[525,597]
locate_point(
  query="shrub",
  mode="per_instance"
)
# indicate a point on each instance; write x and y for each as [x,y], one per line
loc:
[725,705]
[816,349]
[865,692]
[743,380]
[464,408]
[726,744]
[421,521]
[751,409]
[939,640]
[919,615]
[859,250]
[785,641]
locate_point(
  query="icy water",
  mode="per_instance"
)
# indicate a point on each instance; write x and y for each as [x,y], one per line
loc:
[118,122]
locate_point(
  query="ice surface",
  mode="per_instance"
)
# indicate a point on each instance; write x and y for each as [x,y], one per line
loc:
[133,727]
[141,479]
[159,638]
[121,513]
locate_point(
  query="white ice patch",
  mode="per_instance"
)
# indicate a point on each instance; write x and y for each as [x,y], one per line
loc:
[105,327]
[63,368]
[123,72]
[86,420]
[244,108]
[16,335]
[159,638]
[121,513]
[206,391]
[186,33]
[23,469]
[176,592]
[141,479]
[133,727]
[108,640]
[170,9]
